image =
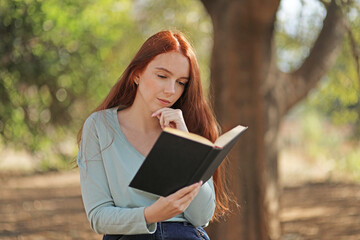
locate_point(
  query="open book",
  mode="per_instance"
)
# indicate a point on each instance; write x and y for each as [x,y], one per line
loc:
[179,159]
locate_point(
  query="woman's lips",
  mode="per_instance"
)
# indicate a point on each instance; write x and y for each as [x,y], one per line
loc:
[164,101]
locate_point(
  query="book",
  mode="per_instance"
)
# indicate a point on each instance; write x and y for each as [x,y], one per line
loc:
[179,159]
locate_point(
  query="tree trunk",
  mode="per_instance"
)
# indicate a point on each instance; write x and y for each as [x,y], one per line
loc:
[248,89]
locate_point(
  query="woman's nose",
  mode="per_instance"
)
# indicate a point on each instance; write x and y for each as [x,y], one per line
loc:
[170,87]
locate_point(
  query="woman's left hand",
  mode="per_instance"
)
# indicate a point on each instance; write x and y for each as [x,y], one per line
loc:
[169,117]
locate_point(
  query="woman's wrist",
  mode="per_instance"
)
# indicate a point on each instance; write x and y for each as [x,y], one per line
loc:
[148,215]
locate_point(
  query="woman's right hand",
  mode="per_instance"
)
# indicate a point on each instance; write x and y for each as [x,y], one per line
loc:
[167,207]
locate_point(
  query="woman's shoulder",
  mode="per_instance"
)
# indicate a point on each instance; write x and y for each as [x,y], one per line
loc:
[102,117]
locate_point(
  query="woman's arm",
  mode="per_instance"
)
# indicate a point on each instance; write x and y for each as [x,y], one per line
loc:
[103,215]
[202,208]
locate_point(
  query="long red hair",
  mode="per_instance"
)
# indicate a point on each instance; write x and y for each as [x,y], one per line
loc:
[197,113]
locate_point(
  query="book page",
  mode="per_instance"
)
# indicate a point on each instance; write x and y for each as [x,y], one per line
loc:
[191,136]
[228,136]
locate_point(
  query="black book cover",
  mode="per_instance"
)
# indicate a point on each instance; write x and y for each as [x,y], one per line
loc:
[175,162]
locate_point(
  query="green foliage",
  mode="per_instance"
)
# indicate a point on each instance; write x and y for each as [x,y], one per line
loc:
[338,95]
[329,118]
[296,30]
[54,63]
[58,60]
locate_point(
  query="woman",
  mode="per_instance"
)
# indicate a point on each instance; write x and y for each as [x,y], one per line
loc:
[160,88]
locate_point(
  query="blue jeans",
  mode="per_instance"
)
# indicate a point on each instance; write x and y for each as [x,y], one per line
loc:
[167,231]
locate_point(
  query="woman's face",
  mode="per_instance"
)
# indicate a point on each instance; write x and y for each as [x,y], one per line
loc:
[163,81]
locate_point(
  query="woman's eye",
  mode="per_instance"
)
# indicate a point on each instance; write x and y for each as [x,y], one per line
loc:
[161,76]
[181,83]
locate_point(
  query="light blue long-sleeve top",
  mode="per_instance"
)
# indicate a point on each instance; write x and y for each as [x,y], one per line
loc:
[107,163]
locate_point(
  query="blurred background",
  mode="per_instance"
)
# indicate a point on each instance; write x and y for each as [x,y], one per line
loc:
[59,59]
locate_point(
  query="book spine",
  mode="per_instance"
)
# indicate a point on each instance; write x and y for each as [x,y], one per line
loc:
[213,160]
[213,153]
[218,159]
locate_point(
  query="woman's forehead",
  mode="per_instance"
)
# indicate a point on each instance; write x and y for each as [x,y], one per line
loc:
[174,62]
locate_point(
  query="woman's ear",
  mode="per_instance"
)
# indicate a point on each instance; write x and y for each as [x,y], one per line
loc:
[136,80]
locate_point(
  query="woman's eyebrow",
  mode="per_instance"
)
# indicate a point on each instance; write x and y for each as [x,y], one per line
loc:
[165,70]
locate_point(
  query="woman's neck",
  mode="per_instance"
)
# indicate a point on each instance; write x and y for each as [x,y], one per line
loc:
[137,118]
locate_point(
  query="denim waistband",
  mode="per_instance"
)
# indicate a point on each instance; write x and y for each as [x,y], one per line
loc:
[167,231]
[181,223]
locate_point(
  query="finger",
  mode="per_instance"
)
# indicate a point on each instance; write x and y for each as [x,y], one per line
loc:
[158,112]
[171,117]
[183,191]
[166,122]
[186,199]
[196,189]
[167,119]
[161,119]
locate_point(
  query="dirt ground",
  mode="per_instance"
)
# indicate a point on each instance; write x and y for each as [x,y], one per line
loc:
[49,206]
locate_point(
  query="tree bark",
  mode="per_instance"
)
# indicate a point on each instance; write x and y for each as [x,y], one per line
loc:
[248,89]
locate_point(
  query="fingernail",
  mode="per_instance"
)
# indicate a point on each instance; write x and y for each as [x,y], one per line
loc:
[201,182]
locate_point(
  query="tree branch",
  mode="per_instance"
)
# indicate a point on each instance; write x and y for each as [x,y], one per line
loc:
[355,51]
[320,59]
